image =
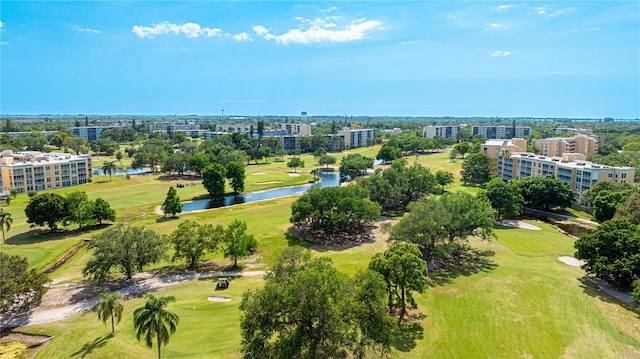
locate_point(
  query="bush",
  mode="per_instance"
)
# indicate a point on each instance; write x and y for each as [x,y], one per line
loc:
[32,193]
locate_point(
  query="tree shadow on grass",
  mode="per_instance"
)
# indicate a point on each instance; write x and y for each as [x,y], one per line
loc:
[591,288]
[167,219]
[409,332]
[98,342]
[465,262]
[40,235]
[321,242]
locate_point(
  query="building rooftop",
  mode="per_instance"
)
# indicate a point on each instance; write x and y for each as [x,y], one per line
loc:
[565,162]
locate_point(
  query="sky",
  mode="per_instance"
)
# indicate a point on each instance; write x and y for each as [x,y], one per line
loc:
[377,58]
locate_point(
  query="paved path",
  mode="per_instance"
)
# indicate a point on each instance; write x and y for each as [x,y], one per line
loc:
[143,283]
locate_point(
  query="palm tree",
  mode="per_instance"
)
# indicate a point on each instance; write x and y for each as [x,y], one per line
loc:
[110,168]
[5,222]
[152,320]
[108,307]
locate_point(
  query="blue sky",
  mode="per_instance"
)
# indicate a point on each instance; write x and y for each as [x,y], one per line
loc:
[417,58]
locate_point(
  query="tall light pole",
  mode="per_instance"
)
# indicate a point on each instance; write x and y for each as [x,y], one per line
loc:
[222,117]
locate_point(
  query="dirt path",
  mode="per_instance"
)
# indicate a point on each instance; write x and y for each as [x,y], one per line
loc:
[62,301]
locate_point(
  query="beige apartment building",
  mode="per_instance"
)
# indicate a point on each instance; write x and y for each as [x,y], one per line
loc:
[571,168]
[557,146]
[36,171]
[495,147]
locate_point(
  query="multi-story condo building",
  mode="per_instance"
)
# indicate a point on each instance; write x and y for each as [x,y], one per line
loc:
[441,131]
[498,132]
[571,168]
[357,137]
[583,131]
[90,133]
[495,147]
[235,128]
[557,146]
[36,171]
[164,127]
[301,129]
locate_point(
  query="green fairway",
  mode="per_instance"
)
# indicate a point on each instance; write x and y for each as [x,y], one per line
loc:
[508,300]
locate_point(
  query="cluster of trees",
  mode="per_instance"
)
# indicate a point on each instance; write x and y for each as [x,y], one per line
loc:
[614,200]
[545,193]
[308,309]
[214,177]
[478,168]
[394,188]
[355,165]
[438,225]
[53,209]
[20,286]
[334,209]
[408,144]
[129,249]
[612,252]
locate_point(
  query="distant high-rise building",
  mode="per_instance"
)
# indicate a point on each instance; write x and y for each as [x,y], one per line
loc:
[354,138]
[500,132]
[441,131]
[495,147]
[90,133]
[557,146]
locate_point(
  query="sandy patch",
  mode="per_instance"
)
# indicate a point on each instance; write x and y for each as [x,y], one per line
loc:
[217,298]
[270,182]
[294,174]
[518,224]
[571,261]
[259,173]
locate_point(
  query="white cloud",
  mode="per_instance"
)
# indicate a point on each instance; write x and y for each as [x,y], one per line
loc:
[4,43]
[243,36]
[593,29]
[499,53]
[321,30]
[330,9]
[504,7]
[541,10]
[496,26]
[189,29]
[1,24]
[85,29]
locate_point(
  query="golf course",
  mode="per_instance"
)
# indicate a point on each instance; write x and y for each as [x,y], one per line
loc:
[508,297]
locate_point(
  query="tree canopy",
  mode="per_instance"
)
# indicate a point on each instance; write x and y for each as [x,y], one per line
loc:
[46,208]
[404,272]
[153,321]
[19,286]
[545,192]
[192,240]
[478,168]
[236,176]
[172,204]
[334,209]
[355,165]
[612,252]
[238,243]
[127,249]
[213,179]
[504,198]
[308,309]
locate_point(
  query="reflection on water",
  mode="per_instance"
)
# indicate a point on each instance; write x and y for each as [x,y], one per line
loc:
[123,171]
[328,180]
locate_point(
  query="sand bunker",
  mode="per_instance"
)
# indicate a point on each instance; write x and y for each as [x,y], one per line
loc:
[258,173]
[518,224]
[270,182]
[217,298]
[294,174]
[570,261]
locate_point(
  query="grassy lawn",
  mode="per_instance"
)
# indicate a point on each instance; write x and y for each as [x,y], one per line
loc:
[513,298]
[510,298]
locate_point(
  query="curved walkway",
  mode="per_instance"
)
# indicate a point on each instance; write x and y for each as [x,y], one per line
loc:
[142,283]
